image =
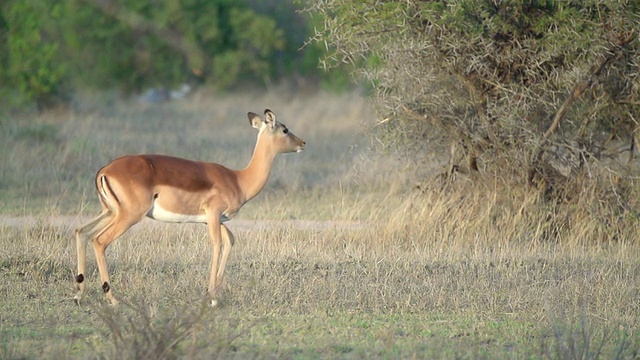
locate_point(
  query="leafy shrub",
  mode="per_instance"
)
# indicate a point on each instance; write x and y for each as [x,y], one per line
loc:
[31,62]
[48,48]
[543,93]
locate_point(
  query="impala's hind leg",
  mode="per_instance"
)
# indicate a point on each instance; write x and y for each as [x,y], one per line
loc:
[113,230]
[83,235]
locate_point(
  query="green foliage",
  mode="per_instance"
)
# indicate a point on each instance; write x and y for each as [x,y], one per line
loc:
[542,91]
[252,42]
[32,63]
[103,56]
[165,44]
[48,48]
[334,77]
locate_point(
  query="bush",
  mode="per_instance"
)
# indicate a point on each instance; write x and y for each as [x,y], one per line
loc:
[31,62]
[49,48]
[544,93]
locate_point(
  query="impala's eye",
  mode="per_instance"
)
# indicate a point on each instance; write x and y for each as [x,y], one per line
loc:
[285,130]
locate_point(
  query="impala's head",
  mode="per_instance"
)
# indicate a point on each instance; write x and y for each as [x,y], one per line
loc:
[276,132]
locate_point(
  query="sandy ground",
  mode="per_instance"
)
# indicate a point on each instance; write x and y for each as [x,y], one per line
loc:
[73,222]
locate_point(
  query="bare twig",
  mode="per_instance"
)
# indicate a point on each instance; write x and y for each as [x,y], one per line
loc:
[576,93]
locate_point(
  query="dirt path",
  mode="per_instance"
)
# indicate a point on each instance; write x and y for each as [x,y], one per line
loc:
[242,225]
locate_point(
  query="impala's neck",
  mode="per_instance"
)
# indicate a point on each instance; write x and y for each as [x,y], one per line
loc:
[254,177]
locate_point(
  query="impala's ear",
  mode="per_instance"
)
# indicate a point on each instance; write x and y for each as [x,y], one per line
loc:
[254,120]
[270,118]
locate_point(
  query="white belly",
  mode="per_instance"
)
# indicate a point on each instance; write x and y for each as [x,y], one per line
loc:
[160,214]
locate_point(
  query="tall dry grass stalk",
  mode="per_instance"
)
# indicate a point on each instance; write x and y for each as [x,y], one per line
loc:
[48,160]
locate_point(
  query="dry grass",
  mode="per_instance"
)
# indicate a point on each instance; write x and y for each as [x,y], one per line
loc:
[349,265]
[54,156]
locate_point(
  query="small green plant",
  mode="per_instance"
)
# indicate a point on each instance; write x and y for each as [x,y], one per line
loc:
[583,340]
[137,334]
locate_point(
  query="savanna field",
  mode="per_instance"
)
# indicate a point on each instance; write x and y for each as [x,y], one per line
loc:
[345,254]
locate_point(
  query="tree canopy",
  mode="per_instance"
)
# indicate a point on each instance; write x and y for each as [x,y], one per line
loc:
[48,48]
[543,93]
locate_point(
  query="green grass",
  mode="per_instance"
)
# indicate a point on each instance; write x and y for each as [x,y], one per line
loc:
[337,258]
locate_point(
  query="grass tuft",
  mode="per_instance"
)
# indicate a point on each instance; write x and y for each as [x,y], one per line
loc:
[139,332]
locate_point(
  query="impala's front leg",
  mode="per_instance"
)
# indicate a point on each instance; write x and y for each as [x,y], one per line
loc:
[228,241]
[216,242]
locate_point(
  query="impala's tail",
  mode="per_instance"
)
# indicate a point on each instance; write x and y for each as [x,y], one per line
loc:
[107,197]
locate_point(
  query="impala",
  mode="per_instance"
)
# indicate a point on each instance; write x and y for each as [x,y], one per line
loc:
[171,189]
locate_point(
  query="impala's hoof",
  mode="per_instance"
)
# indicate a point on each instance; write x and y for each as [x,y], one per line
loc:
[79,295]
[112,300]
[213,303]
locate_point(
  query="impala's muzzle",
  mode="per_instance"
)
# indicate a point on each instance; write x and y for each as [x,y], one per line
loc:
[301,145]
